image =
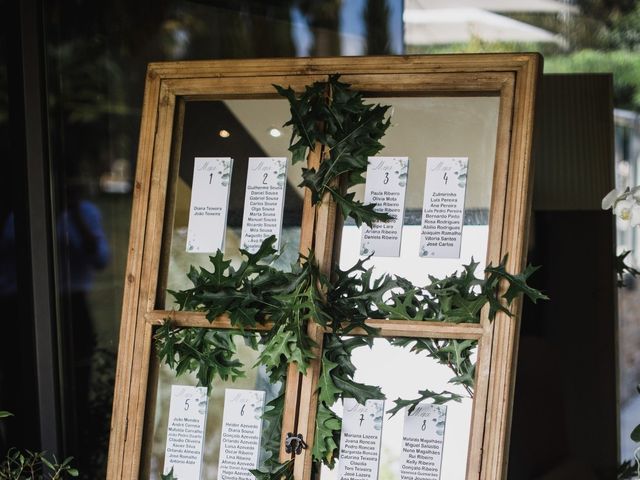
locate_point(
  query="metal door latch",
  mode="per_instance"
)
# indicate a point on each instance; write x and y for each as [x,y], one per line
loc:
[294,443]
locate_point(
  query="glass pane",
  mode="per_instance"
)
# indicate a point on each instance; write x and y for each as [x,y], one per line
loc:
[436,127]
[255,379]
[238,129]
[401,373]
[18,376]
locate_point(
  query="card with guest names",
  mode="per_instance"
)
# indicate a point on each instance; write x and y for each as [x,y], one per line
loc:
[263,201]
[360,440]
[185,431]
[209,204]
[443,207]
[423,442]
[241,433]
[385,187]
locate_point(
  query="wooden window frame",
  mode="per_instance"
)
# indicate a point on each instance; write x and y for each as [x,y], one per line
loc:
[512,77]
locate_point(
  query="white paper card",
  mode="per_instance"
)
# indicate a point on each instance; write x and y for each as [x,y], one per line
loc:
[209,204]
[386,187]
[422,442]
[443,207]
[241,431]
[263,201]
[360,440]
[185,431]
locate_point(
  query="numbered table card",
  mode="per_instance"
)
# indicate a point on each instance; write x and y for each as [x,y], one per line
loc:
[209,204]
[185,432]
[386,186]
[241,431]
[360,440]
[263,201]
[443,207]
[422,442]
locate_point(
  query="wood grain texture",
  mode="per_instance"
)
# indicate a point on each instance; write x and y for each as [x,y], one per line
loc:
[149,278]
[494,255]
[425,64]
[324,231]
[514,243]
[436,84]
[170,202]
[511,76]
[120,415]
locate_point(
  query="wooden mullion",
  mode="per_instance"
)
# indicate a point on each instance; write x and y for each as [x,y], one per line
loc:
[323,242]
[187,319]
[420,329]
[388,327]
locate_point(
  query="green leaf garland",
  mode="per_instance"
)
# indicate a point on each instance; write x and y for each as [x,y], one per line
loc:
[331,116]
[297,297]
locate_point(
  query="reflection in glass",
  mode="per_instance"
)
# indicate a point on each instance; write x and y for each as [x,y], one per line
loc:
[250,131]
[401,374]
[255,379]
[436,127]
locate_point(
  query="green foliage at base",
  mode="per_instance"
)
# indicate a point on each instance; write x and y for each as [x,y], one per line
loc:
[28,465]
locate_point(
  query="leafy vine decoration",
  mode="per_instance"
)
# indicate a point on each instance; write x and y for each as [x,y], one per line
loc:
[288,300]
[331,117]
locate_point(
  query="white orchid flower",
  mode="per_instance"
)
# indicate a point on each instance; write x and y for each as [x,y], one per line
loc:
[625,204]
[628,210]
[610,198]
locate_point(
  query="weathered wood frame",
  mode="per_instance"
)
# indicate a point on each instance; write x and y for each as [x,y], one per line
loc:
[512,77]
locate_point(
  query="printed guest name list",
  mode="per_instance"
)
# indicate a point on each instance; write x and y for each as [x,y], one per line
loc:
[360,440]
[386,187]
[185,431]
[209,204]
[241,432]
[443,207]
[263,201]
[422,442]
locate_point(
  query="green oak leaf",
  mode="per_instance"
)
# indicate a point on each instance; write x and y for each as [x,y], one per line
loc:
[272,427]
[169,476]
[274,471]
[437,399]
[327,436]
[328,392]
[403,306]
[517,283]
[359,391]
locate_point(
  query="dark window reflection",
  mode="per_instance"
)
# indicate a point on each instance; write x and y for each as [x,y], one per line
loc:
[18,393]
[97,53]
